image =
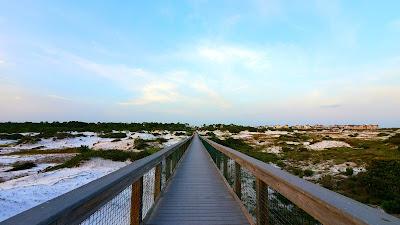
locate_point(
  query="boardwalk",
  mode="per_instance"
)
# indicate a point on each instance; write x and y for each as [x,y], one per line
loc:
[197,194]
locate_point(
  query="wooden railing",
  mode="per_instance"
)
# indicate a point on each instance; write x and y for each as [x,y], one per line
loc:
[320,204]
[126,195]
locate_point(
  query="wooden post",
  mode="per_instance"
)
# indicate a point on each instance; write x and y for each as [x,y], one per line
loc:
[238,181]
[167,168]
[225,160]
[157,181]
[262,202]
[136,202]
[218,162]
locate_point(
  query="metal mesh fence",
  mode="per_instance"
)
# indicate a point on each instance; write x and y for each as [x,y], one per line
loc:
[120,209]
[264,204]
[116,211]
[148,191]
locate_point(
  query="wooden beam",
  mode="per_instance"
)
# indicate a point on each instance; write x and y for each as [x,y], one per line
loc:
[238,181]
[225,160]
[136,202]
[324,205]
[157,181]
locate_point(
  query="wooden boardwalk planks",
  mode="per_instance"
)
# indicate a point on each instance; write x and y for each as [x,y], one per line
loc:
[197,194]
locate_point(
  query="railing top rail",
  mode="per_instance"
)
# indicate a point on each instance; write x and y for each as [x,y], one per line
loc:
[325,205]
[74,206]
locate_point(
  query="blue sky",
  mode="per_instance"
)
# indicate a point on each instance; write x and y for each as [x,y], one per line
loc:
[248,62]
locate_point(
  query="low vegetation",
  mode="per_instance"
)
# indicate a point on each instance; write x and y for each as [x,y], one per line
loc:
[45,152]
[11,136]
[115,155]
[378,185]
[247,149]
[113,135]
[22,166]
[11,127]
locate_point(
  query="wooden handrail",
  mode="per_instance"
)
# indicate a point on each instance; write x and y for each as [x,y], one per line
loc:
[324,205]
[77,205]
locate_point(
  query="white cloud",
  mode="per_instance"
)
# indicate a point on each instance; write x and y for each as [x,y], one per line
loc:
[212,96]
[160,92]
[230,54]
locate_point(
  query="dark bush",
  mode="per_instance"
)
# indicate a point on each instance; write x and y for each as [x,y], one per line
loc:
[84,148]
[22,166]
[327,181]
[382,179]
[391,206]
[210,134]
[395,140]
[349,171]
[180,133]
[308,173]
[28,140]
[140,144]
[11,136]
[113,135]
[161,140]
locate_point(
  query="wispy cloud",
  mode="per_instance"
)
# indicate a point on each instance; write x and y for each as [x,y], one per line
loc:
[228,54]
[160,92]
[59,97]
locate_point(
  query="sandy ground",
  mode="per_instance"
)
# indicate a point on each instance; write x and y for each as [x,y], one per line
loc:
[328,144]
[24,189]
[23,193]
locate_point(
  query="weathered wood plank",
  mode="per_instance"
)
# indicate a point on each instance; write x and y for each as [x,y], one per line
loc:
[136,202]
[197,194]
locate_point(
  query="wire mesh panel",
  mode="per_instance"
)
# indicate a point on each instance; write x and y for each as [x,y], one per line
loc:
[116,211]
[148,191]
[163,174]
[282,211]
[265,205]
[248,190]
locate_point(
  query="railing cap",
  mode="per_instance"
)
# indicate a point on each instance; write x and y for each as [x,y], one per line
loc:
[347,208]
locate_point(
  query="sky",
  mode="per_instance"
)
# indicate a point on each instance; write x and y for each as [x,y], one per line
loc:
[254,62]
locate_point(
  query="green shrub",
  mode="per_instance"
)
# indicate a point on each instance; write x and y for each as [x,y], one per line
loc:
[391,206]
[349,171]
[113,135]
[382,179]
[22,166]
[395,140]
[84,148]
[327,181]
[210,134]
[28,140]
[280,163]
[237,144]
[180,133]
[382,134]
[140,143]
[308,173]
[161,140]
[114,155]
[11,136]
